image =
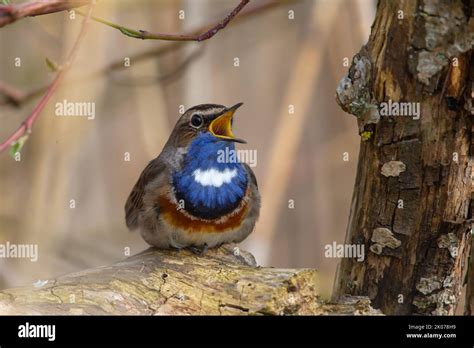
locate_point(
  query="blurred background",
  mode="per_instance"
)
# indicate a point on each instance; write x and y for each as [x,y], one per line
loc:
[290,55]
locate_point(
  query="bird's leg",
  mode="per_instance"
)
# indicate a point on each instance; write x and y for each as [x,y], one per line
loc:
[172,248]
[199,250]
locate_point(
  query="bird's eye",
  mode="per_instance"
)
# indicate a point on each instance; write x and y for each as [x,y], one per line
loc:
[196,121]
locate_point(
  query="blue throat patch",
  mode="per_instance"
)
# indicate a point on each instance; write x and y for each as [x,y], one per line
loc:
[210,184]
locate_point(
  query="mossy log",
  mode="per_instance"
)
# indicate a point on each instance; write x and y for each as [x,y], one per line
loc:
[224,281]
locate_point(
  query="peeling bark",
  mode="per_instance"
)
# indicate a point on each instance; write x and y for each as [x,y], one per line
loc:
[422,52]
[225,281]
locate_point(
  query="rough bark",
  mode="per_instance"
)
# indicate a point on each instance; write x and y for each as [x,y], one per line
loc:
[413,185]
[224,281]
[469,305]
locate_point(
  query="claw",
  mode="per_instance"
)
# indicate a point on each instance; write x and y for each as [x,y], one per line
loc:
[199,250]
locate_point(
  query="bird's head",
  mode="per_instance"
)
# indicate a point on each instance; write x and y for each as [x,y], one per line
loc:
[205,119]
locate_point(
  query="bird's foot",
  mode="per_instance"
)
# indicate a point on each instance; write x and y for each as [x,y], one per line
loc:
[199,250]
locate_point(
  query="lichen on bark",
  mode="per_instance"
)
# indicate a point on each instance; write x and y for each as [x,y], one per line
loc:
[442,30]
[424,204]
[169,282]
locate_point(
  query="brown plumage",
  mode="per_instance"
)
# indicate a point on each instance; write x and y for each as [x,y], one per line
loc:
[164,220]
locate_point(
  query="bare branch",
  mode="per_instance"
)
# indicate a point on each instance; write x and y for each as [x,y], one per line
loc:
[166,77]
[198,288]
[29,121]
[12,94]
[11,13]
[193,36]
[20,97]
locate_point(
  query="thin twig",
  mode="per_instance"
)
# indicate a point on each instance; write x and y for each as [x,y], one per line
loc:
[171,75]
[11,13]
[165,77]
[12,94]
[193,36]
[26,125]
[150,53]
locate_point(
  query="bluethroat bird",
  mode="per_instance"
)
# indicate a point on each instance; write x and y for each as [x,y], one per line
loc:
[188,196]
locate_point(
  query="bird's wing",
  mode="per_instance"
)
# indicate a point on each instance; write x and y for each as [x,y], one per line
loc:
[252,177]
[135,199]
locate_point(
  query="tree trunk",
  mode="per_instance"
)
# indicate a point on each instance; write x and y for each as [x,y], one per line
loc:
[413,186]
[223,281]
[469,305]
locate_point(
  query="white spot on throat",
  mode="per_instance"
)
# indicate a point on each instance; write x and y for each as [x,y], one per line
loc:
[214,177]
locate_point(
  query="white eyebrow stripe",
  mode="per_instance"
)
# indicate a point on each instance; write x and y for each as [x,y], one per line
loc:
[214,177]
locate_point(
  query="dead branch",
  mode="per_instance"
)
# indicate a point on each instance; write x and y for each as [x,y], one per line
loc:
[225,281]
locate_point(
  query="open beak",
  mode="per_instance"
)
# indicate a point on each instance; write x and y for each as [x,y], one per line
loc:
[221,126]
